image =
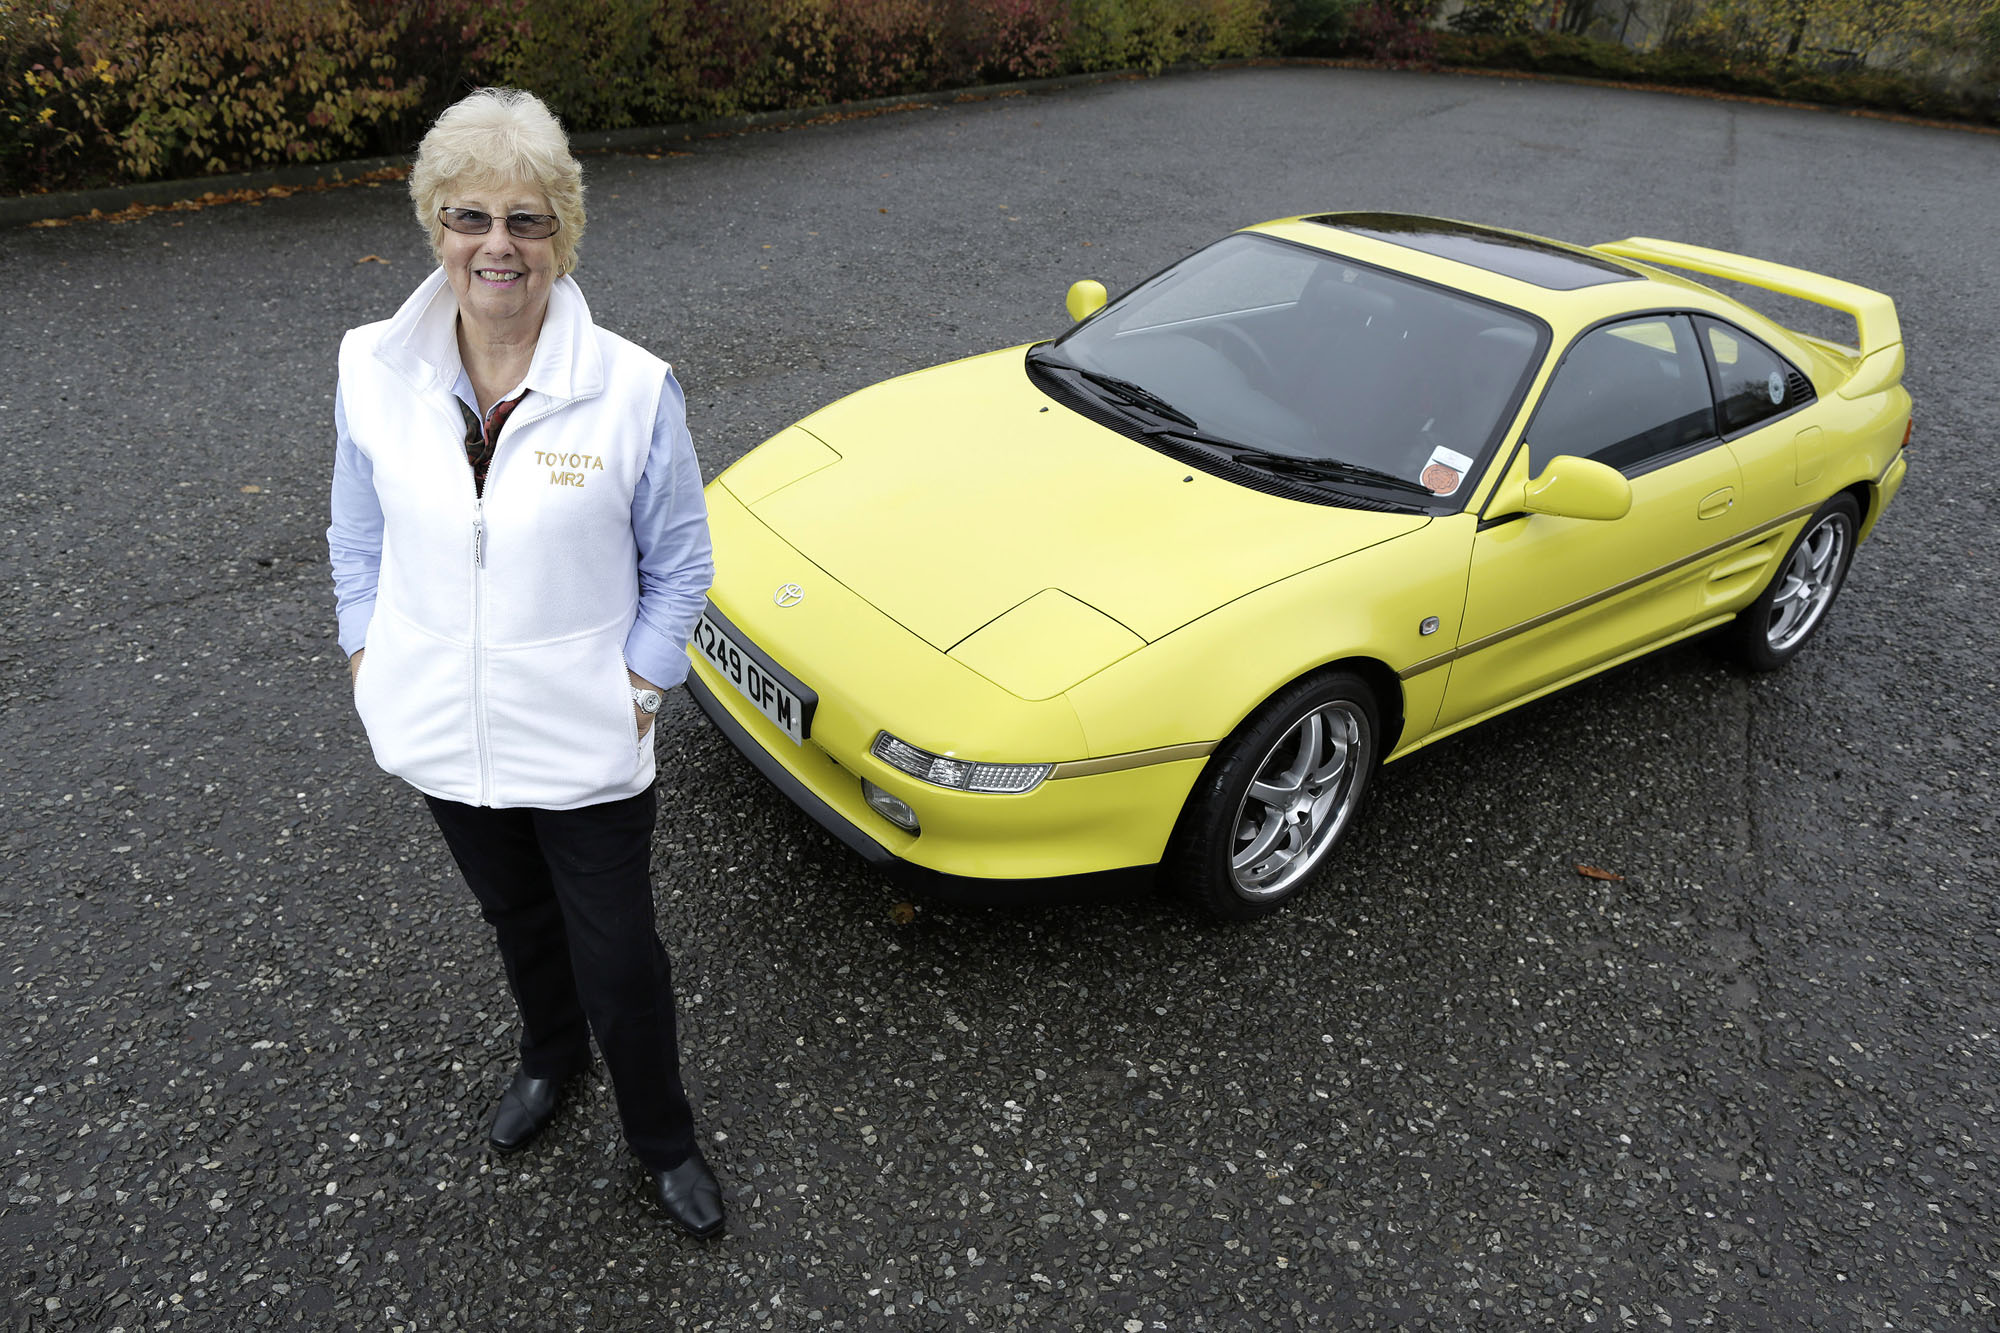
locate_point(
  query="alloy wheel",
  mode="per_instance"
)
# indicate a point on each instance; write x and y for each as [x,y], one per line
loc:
[1305,790]
[1808,583]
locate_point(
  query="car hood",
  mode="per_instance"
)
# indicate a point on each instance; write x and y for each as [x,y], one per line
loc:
[952,496]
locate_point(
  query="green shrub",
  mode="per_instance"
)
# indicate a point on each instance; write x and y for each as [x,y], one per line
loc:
[1497,16]
[1233,29]
[191,86]
[583,67]
[1681,65]
[1594,59]
[1153,34]
[1313,27]
[709,58]
[842,50]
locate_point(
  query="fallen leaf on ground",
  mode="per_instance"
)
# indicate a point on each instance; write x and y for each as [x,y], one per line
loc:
[371,259]
[213,198]
[1598,872]
[902,914]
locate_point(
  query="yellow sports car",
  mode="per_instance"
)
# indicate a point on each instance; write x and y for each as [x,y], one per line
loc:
[1165,591]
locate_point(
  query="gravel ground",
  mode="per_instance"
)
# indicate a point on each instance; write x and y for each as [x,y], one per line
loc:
[254,1026]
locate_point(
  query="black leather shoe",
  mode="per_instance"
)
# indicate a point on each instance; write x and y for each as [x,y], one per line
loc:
[690,1196]
[525,1110]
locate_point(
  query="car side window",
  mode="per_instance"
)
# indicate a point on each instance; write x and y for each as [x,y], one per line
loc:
[1627,395]
[1752,382]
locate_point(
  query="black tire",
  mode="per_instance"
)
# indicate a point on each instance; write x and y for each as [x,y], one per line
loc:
[1214,859]
[1772,630]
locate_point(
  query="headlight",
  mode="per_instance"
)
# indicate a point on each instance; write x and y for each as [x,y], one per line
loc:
[957,774]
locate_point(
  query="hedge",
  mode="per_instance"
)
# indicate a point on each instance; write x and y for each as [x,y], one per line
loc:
[112,91]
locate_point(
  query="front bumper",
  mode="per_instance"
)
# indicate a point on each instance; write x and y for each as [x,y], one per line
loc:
[871,674]
[975,892]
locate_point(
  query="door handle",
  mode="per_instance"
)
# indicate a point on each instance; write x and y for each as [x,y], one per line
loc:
[1716,503]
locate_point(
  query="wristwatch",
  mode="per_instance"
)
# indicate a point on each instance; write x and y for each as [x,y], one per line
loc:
[646,701]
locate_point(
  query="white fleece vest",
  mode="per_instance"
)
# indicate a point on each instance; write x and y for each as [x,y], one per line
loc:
[495,672]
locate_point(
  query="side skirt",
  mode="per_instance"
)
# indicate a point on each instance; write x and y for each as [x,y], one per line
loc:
[1699,627]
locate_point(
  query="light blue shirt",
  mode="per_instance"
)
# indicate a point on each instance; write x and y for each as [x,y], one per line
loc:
[669,522]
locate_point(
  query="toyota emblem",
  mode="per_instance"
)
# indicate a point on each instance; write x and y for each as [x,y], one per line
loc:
[789,594]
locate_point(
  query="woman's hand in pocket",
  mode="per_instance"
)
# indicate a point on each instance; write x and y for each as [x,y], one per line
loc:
[354,665]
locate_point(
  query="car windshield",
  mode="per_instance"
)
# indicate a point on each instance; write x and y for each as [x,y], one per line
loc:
[1296,354]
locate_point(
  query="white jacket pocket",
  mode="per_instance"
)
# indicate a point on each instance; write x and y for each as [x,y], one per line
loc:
[413,697]
[568,735]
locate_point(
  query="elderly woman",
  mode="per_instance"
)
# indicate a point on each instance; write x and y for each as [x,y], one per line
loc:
[520,551]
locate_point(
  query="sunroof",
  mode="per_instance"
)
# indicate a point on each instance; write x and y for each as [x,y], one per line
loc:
[1543,263]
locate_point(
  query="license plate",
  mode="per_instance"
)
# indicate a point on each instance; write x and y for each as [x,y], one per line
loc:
[736,662]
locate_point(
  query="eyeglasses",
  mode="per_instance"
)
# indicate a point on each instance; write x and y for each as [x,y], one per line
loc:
[526,226]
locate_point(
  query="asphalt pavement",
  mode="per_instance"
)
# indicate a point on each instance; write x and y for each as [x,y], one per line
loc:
[253,1024]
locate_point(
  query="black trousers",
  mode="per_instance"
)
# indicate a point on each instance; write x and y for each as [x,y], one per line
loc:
[570,900]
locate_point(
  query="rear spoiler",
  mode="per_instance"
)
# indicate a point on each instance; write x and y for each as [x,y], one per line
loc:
[1880,362]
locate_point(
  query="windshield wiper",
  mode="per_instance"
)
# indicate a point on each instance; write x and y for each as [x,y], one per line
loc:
[1125,391]
[1332,469]
[1315,469]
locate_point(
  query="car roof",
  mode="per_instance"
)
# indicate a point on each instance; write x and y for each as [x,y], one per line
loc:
[1533,259]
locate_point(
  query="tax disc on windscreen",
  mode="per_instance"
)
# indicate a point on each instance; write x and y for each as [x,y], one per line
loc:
[1775,386]
[1445,470]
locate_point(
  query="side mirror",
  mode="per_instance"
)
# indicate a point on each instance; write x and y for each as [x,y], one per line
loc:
[1572,487]
[1085,299]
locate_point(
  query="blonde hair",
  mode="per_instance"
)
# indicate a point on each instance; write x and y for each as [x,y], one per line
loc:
[497,136]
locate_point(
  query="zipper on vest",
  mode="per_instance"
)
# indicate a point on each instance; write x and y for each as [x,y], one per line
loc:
[479,650]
